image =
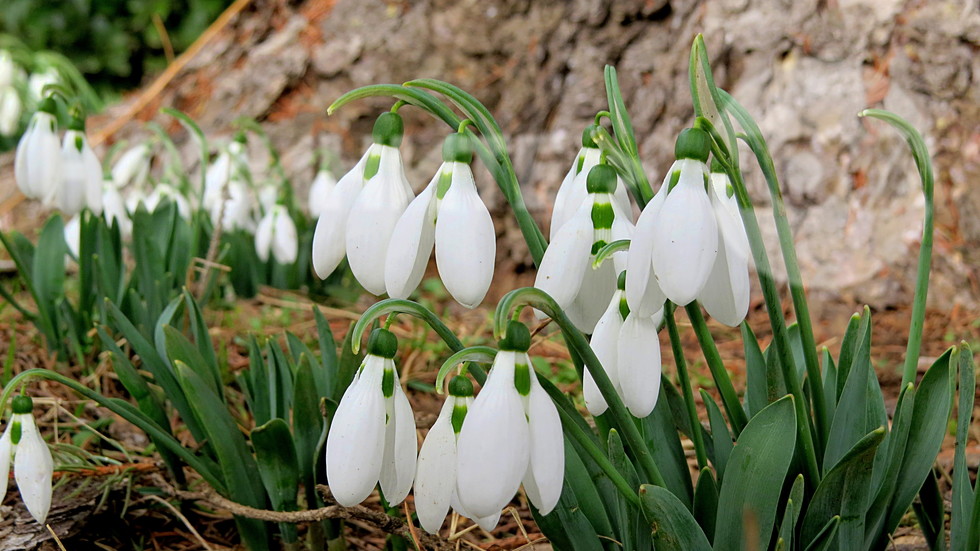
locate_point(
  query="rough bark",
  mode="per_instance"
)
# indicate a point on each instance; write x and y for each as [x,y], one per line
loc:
[804,69]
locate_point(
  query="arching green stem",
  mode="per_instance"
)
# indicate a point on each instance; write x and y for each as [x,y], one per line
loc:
[400,306]
[122,409]
[474,354]
[577,341]
[608,250]
[924,164]
[685,382]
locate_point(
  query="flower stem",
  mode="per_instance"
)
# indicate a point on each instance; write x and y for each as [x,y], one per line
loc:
[753,137]
[924,164]
[685,381]
[729,398]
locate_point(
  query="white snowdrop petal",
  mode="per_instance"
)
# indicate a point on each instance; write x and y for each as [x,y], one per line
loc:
[465,240]
[489,522]
[329,238]
[597,287]
[411,244]
[643,293]
[320,189]
[572,191]
[493,447]
[21,167]
[372,220]
[44,158]
[356,441]
[605,346]
[33,469]
[435,474]
[285,242]
[6,454]
[726,293]
[685,242]
[567,258]
[547,463]
[401,448]
[639,364]
[73,235]
[132,167]
[263,237]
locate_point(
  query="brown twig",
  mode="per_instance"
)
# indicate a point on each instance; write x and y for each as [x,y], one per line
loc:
[377,519]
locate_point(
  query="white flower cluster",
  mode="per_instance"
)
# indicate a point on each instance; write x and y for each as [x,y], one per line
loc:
[387,234]
[33,467]
[688,244]
[474,458]
[18,88]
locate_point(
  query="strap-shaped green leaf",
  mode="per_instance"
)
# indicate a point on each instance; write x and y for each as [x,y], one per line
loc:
[672,526]
[48,279]
[794,505]
[238,468]
[824,540]
[756,387]
[964,534]
[851,416]
[756,472]
[720,436]
[664,441]
[567,525]
[326,377]
[844,492]
[275,455]
[706,502]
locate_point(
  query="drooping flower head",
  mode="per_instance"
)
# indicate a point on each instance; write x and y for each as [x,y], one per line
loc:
[360,213]
[511,435]
[676,239]
[37,164]
[33,465]
[573,190]
[133,166]
[435,477]
[726,293]
[372,436]
[566,271]
[81,173]
[276,234]
[320,189]
[450,215]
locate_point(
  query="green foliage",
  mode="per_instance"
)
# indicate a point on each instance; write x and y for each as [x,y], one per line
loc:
[114,43]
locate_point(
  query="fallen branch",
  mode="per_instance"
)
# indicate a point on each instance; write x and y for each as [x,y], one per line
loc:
[379,520]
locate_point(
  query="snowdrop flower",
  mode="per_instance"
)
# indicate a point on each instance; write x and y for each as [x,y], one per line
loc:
[320,189]
[435,477]
[628,348]
[726,293]
[360,214]
[276,233]
[73,237]
[372,436]
[511,435]
[167,192]
[8,69]
[10,109]
[238,209]
[676,239]
[450,215]
[114,208]
[37,164]
[37,82]
[572,192]
[231,164]
[566,271]
[133,166]
[81,173]
[33,466]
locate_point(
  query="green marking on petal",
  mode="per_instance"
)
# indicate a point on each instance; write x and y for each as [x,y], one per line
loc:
[602,216]
[522,379]
[445,180]
[15,434]
[371,168]
[388,383]
[459,414]
[675,177]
